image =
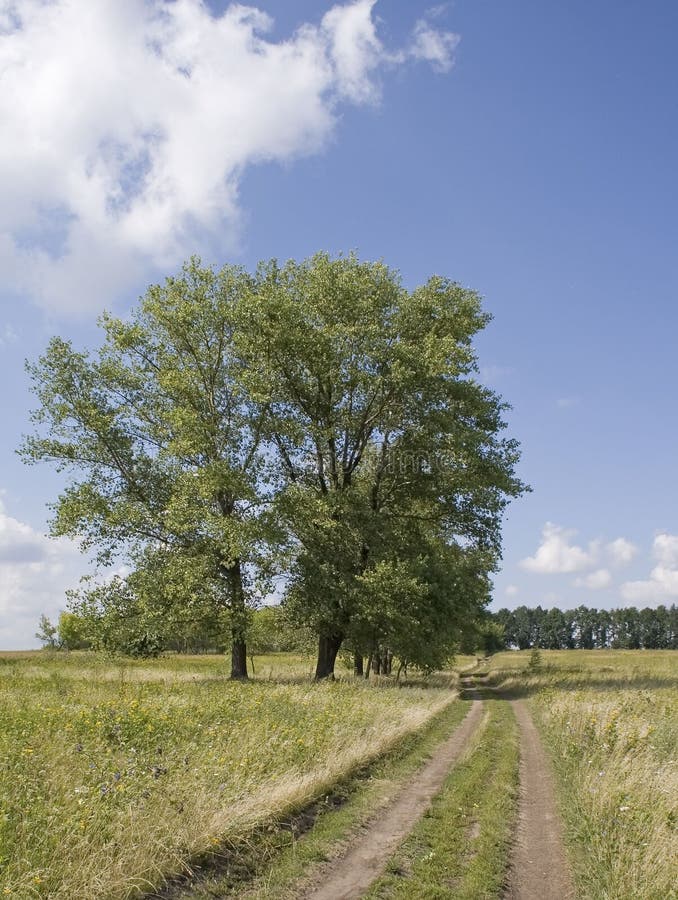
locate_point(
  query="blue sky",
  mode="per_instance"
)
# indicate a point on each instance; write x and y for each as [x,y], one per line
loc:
[525,149]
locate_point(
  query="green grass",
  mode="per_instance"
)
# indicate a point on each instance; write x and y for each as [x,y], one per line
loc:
[460,848]
[277,862]
[113,774]
[610,722]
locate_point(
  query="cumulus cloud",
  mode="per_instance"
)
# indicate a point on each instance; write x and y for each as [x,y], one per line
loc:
[126,127]
[663,581]
[35,571]
[557,555]
[595,581]
[621,551]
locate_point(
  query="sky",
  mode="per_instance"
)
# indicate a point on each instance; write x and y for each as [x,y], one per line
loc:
[524,149]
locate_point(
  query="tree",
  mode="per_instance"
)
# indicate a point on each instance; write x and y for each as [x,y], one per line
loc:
[47,633]
[388,451]
[317,417]
[73,632]
[163,447]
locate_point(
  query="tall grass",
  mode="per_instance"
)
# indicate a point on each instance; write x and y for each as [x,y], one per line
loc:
[610,721]
[112,775]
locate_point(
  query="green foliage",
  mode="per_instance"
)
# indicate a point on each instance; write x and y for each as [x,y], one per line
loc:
[271,631]
[535,662]
[316,420]
[136,616]
[162,446]
[393,472]
[47,632]
[587,628]
[74,632]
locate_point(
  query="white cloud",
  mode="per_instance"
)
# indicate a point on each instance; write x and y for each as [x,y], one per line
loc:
[127,124]
[595,581]
[355,49]
[621,551]
[35,571]
[665,550]
[663,581]
[556,555]
[434,46]
[511,590]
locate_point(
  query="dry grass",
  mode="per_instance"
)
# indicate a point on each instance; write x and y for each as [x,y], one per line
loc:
[610,720]
[113,775]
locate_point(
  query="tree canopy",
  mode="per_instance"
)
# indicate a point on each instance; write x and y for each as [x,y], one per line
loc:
[315,420]
[588,628]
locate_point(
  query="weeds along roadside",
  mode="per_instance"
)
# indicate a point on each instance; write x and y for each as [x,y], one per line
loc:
[113,777]
[610,725]
[276,863]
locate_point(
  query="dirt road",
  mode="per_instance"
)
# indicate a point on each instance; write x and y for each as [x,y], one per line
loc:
[349,876]
[538,868]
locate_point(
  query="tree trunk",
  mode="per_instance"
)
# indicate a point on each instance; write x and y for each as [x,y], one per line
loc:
[238,624]
[238,657]
[377,663]
[358,665]
[369,665]
[328,647]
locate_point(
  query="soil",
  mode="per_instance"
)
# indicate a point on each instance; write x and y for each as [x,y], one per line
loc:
[538,869]
[349,876]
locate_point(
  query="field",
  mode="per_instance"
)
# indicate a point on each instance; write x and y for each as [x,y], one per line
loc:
[115,774]
[112,774]
[610,722]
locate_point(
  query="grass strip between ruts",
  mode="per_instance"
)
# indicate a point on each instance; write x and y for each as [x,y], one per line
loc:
[460,848]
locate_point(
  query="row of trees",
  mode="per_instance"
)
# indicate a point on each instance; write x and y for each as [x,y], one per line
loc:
[314,422]
[588,628]
[271,631]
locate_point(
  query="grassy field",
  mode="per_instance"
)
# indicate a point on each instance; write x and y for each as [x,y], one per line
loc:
[610,722]
[281,864]
[113,774]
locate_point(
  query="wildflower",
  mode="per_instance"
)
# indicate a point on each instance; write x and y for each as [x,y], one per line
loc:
[624,808]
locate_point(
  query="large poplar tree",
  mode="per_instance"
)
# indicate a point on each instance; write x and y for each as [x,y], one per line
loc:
[315,413]
[162,445]
[391,456]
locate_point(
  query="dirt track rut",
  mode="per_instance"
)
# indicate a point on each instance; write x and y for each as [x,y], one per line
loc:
[349,876]
[539,869]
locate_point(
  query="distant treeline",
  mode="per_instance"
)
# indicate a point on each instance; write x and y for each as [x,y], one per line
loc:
[589,629]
